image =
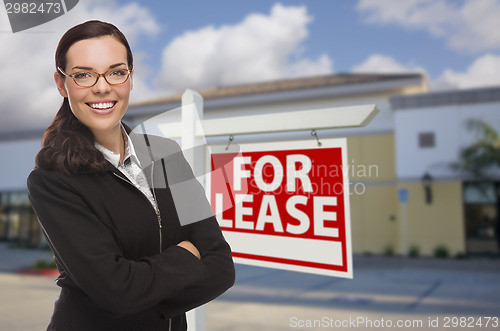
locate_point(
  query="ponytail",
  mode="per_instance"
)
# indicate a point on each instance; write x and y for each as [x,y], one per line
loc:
[68,146]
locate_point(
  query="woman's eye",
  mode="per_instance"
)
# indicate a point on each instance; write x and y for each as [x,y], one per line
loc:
[81,75]
[120,72]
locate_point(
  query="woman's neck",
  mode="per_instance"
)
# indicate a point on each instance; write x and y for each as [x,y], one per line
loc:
[112,140]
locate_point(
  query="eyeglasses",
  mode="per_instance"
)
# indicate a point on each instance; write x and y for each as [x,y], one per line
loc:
[90,78]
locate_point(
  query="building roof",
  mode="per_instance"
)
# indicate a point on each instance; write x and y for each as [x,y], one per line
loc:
[446,98]
[288,85]
[271,91]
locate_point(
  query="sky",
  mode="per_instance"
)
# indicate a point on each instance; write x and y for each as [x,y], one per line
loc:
[201,44]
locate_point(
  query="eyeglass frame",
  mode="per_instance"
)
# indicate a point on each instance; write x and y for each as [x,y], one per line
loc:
[103,75]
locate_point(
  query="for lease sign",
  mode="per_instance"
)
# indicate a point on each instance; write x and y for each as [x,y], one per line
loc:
[285,205]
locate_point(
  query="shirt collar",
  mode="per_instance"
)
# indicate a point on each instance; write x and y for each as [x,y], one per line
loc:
[114,158]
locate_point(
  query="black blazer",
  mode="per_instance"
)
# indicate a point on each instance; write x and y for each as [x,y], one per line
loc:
[106,238]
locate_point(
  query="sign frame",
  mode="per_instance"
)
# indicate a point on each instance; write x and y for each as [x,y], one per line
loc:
[308,144]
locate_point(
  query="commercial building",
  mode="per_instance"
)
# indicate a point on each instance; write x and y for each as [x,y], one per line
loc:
[430,131]
[413,133]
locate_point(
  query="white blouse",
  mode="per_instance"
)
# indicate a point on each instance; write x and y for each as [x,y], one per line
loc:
[131,167]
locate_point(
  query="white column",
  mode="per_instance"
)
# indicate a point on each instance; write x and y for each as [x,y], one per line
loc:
[192,114]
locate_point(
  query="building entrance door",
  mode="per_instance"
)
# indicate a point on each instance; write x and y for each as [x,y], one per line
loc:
[481,218]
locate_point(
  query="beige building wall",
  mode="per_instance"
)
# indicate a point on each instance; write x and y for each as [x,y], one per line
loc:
[377,214]
[373,220]
[373,193]
[440,223]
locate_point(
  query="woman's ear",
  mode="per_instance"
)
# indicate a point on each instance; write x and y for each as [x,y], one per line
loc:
[131,79]
[60,85]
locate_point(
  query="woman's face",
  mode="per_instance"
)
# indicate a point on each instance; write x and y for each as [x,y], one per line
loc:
[102,106]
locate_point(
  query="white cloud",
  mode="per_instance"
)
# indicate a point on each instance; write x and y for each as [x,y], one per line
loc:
[257,49]
[28,94]
[484,71]
[307,67]
[469,25]
[261,47]
[378,63]
[480,27]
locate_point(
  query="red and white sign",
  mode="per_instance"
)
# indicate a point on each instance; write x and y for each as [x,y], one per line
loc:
[285,204]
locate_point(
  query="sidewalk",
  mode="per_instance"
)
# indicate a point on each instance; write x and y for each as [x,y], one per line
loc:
[420,293]
[424,294]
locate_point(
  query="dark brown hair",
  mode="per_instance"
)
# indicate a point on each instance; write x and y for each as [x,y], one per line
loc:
[67,144]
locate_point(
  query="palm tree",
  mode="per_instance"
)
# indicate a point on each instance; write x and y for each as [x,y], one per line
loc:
[482,159]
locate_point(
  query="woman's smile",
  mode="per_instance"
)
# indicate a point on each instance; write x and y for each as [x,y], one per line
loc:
[102,107]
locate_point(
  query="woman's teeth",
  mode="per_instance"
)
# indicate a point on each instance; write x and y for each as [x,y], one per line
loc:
[102,105]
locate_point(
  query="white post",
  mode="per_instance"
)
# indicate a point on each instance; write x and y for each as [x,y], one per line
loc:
[403,199]
[404,233]
[192,113]
[302,120]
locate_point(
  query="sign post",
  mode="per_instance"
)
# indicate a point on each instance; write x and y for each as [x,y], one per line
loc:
[192,113]
[312,232]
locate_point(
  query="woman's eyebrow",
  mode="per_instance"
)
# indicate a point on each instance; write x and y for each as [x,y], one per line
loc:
[90,68]
[83,68]
[117,65]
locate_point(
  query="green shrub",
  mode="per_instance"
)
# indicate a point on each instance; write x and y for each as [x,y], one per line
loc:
[441,252]
[414,251]
[389,250]
[44,264]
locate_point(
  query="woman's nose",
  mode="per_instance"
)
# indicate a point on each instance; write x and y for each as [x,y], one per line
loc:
[101,86]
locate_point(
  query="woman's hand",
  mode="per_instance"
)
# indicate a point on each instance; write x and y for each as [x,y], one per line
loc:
[190,247]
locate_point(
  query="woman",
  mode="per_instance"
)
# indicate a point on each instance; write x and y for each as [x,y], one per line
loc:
[104,198]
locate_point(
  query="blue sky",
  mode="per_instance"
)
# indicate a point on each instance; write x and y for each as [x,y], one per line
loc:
[200,44]
[337,29]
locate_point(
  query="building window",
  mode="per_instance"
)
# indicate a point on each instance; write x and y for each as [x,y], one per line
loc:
[426,140]
[18,222]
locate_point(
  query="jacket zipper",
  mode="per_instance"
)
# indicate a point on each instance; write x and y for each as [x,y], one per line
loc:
[157,212]
[156,209]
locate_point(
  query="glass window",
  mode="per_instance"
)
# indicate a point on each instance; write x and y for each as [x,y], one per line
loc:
[426,140]
[18,222]
[3,217]
[479,193]
[481,218]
